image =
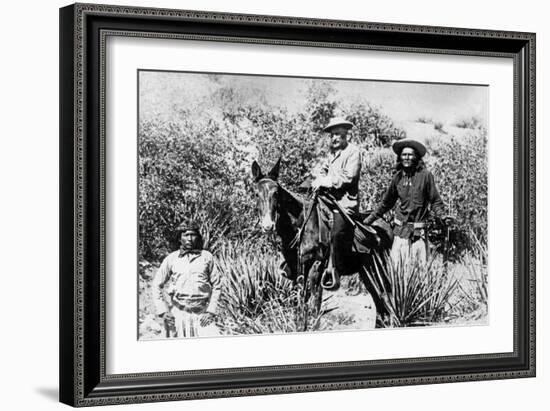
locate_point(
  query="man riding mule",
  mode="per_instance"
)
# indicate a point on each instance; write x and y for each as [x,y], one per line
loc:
[302,225]
[341,182]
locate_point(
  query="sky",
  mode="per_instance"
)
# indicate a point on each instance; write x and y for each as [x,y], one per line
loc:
[162,92]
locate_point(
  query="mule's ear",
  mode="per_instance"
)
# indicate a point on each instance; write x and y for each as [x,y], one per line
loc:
[274,173]
[256,171]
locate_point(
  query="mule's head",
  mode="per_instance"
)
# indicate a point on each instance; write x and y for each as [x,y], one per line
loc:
[268,191]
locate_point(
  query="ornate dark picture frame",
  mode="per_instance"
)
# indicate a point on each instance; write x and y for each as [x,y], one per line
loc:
[83,30]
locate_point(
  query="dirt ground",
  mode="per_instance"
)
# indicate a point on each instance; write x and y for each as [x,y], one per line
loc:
[351,309]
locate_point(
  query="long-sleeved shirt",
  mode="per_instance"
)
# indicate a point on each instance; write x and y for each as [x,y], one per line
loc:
[417,194]
[344,169]
[189,278]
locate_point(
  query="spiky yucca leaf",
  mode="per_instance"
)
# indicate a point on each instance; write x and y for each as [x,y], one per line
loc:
[257,299]
[419,294]
[474,287]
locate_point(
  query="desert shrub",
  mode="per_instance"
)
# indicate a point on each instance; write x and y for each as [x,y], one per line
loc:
[419,293]
[424,120]
[460,171]
[472,301]
[185,172]
[473,122]
[377,170]
[438,126]
[292,138]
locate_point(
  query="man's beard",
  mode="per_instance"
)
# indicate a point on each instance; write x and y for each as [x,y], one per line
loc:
[337,147]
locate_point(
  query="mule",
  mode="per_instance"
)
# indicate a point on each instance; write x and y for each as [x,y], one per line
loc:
[304,250]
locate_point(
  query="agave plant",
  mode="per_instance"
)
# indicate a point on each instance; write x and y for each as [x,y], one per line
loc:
[419,294]
[474,287]
[256,299]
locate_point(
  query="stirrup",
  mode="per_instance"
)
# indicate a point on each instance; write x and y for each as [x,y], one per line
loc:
[330,280]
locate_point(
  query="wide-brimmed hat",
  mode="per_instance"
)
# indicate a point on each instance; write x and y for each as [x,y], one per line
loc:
[399,145]
[337,121]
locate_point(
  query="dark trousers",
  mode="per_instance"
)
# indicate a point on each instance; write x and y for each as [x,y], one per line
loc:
[342,241]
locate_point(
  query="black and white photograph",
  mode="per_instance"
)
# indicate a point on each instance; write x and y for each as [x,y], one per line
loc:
[273,204]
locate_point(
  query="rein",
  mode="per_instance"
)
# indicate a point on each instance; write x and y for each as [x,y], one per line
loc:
[298,237]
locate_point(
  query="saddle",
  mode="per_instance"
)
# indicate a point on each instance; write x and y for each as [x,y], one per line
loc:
[367,238]
[379,235]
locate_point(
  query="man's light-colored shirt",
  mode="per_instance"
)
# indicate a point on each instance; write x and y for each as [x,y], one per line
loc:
[187,278]
[344,169]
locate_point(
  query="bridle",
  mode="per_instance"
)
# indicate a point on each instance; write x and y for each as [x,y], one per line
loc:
[277,206]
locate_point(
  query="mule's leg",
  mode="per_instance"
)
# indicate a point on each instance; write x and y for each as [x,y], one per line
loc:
[312,290]
[306,289]
[370,267]
[314,280]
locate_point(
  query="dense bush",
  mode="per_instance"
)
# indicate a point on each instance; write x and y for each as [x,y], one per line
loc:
[460,170]
[377,170]
[188,172]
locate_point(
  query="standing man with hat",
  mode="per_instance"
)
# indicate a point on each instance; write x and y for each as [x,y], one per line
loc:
[414,186]
[186,288]
[342,181]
